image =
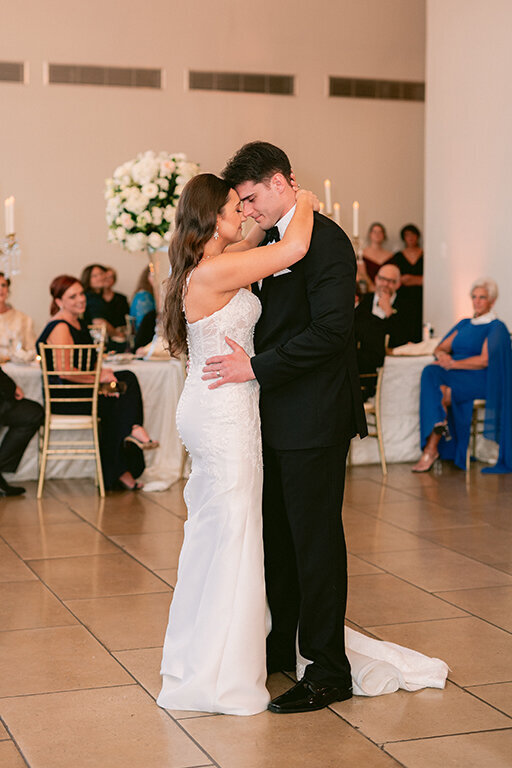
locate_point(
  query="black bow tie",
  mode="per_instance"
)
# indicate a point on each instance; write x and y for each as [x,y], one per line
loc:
[272,235]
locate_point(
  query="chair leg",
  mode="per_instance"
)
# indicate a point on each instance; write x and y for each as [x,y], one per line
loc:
[43,459]
[99,470]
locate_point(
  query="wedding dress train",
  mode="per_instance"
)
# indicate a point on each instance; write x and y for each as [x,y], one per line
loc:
[214,650]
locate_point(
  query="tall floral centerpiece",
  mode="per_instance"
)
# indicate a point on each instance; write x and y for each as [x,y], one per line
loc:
[141,196]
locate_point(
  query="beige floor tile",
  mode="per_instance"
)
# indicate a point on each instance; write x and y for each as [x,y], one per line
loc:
[384,599]
[54,659]
[112,727]
[494,604]
[476,652]
[21,510]
[10,757]
[125,622]
[27,604]
[34,542]
[144,665]
[12,567]
[499,695]
[172,499]
[437,569]
[316,740]
[96,576]
[358,567]
[417,515]
[369,534]
[155,550]
[404,715]
[169,575]
[3,733]
[473,750]
[483,542]
[371,492]
[134,513]
[507,566]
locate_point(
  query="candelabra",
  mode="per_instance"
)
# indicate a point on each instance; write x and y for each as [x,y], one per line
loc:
[10,253]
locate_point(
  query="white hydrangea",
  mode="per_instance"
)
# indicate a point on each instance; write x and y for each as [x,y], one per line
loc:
[157,215]
[136,242]
[150,190]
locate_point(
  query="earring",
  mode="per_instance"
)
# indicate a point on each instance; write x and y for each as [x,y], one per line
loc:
[216,234]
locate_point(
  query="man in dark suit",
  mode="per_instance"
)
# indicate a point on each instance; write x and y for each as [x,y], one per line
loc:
[378,315]
[23,417]
[310,406]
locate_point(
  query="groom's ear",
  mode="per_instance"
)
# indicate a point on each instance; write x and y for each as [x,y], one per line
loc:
[279,183]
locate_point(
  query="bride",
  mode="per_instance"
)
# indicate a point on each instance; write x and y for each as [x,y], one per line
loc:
[214,650]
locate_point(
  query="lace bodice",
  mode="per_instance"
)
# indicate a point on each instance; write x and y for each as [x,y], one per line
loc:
[236,320]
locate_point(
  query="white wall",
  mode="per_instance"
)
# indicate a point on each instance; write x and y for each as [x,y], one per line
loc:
[60,142]
[468,164]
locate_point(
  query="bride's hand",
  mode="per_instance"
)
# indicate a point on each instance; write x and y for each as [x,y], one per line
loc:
[293,181]
[313,199]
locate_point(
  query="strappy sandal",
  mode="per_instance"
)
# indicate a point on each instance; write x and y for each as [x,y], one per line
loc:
[428,457]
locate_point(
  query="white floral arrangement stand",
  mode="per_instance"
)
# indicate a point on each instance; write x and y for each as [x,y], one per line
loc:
[142,196]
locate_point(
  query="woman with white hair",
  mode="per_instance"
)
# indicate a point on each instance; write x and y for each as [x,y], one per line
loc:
[473,361]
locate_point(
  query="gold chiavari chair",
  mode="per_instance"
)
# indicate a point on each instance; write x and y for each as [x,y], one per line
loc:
[69,362]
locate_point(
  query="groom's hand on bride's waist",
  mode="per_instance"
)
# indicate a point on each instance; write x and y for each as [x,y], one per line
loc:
[229,369]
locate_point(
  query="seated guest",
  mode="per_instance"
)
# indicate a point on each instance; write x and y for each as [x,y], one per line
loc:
[117,303]
[374,256]
[122,436]
[143,299]
[146,331]
[16,328]
[381,313]
[410,263]
[473,361]
[23,418]
[93,281]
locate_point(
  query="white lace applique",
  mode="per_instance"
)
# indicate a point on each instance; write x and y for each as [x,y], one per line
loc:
[232,409]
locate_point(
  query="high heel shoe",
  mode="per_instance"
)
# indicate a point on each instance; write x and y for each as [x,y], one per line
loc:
[429,458]
[120,485]
[148,445]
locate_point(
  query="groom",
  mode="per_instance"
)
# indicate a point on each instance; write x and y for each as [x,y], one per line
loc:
[310,405]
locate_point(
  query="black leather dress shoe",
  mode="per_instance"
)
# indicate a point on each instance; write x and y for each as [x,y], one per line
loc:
[307,696]
[9,490]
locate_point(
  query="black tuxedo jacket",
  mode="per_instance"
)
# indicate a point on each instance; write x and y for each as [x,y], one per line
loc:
[7,387]
[305,359]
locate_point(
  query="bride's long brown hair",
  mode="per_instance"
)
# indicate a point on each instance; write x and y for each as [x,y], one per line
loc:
[202,199]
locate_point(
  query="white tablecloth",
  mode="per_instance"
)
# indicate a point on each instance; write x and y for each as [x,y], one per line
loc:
[161,383]
[400,410]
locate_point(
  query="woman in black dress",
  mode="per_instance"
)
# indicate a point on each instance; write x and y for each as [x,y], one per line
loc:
[123,439]
[410,263]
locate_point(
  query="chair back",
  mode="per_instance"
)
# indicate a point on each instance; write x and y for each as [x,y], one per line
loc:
[63,366]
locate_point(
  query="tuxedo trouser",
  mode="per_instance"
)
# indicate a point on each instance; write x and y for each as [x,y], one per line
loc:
[23,418]
[306,559]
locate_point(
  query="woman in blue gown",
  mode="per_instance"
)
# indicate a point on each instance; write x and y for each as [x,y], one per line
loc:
[473,361]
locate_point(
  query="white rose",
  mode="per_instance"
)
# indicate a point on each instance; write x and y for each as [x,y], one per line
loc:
[163,183]
[136,202]
[150,190]
[136,242]
[143,219]
[145,170]
[155,240]
[168,235]
[167,167]
[178,190]
[126,221]
[120,233]
[157,215]
[169,213]
[162,195]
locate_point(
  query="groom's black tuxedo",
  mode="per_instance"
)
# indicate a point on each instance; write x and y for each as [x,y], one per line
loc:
[305,351]
[311,406]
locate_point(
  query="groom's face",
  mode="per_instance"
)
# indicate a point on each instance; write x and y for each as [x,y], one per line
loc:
[261,201]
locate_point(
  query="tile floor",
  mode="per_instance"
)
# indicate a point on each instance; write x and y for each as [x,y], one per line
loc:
[85,587]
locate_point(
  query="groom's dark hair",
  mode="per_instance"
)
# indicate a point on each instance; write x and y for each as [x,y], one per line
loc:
[257,161]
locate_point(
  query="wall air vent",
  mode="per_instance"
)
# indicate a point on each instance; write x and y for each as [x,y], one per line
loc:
[13,72]
[117,77]
[357,88]
[241,82]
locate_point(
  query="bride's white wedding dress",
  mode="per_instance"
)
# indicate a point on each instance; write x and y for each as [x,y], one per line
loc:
[214,650]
